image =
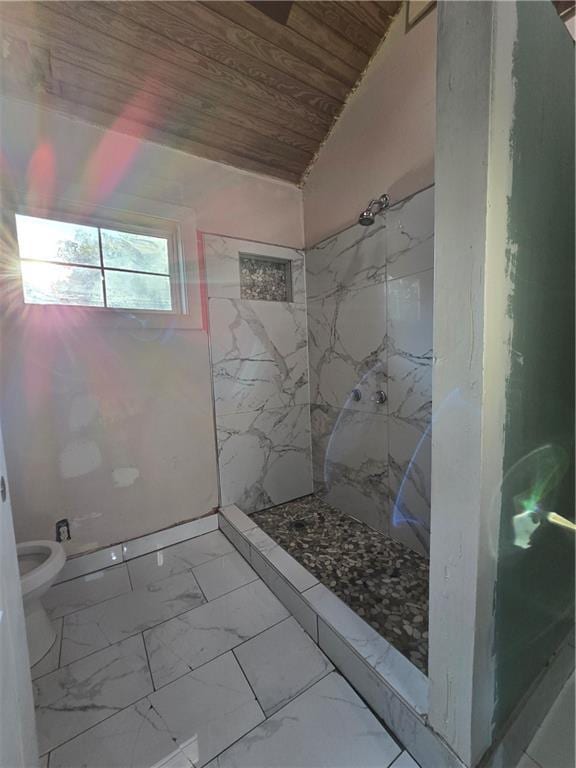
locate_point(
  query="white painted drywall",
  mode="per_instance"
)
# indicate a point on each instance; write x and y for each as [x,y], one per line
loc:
[113,427]
[384,139]
[18,745]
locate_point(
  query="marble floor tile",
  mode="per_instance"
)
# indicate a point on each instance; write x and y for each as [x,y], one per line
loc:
[106,623]
[51,660]
[74,698]
[136,737]
[185,724]
[328,726]
[190,640]
[178,558]
[93,561]
[74,595]
[280,663]
[209,709]
[169,536]
[223,574]
[405,760]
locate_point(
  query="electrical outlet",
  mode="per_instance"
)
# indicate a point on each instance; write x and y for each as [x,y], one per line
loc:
[63,530]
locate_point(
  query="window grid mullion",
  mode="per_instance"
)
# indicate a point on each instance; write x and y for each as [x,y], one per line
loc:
[104,296]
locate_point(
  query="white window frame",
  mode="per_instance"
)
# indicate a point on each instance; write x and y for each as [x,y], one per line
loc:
[184,272]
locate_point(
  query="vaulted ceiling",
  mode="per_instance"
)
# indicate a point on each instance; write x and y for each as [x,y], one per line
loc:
[256,85]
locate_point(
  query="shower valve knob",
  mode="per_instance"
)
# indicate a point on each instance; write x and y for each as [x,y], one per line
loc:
[356,395]
[380,397]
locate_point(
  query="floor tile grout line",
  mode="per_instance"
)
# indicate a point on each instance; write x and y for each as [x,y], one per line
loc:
[98,602]
[230,650]
[148,662]
[245,676]
[155,626]
[161,687]
[152,626]
[268,717]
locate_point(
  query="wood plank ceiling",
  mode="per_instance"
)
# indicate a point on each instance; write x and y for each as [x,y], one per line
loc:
[256,85]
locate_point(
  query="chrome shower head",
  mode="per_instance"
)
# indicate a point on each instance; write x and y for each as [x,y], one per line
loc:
[376,206]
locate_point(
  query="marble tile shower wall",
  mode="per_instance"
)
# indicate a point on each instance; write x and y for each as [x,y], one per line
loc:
[259,352]
[370,299]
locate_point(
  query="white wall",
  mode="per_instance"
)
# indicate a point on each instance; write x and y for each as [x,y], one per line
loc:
[113,427]
[384,139]
[18,745]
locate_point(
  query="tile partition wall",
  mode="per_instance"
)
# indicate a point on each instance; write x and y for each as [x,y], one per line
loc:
[259,358]
[370,299]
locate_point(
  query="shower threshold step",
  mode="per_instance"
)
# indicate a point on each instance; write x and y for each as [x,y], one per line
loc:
[392,686]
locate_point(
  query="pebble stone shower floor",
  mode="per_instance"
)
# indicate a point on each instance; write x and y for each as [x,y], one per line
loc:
[382,580]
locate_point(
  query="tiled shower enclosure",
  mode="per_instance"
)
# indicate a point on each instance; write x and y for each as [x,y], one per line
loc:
[370,299]
[330,389]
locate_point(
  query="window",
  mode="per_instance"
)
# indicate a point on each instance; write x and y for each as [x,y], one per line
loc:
[85,265]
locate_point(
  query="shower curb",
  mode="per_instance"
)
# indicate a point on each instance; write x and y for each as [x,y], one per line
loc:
[391,685]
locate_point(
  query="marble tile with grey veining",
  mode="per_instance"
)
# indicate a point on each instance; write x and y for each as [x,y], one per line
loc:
[351,259]
[222,257]
[76,697]
[178,558]
[326,726]
[264,457]
[107,623]
[222,575]
[84,591]
[410,235]
[51,660]
[347,348]
[280,663]
[350,450]
[190,640]
[259,355]
[187,722]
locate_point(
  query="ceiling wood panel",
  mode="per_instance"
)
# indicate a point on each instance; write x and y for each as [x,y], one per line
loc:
[223,80]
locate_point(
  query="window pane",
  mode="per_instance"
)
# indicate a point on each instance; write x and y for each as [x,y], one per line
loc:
[55,284]
[57,241]
[125,290]
[142,253]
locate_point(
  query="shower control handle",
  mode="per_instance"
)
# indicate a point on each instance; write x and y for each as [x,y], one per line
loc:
[356,395]
[380,397]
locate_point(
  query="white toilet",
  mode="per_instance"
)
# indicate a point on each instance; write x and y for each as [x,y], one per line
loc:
[39,562]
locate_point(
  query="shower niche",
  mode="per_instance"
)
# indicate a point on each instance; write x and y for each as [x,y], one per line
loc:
[265,278]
